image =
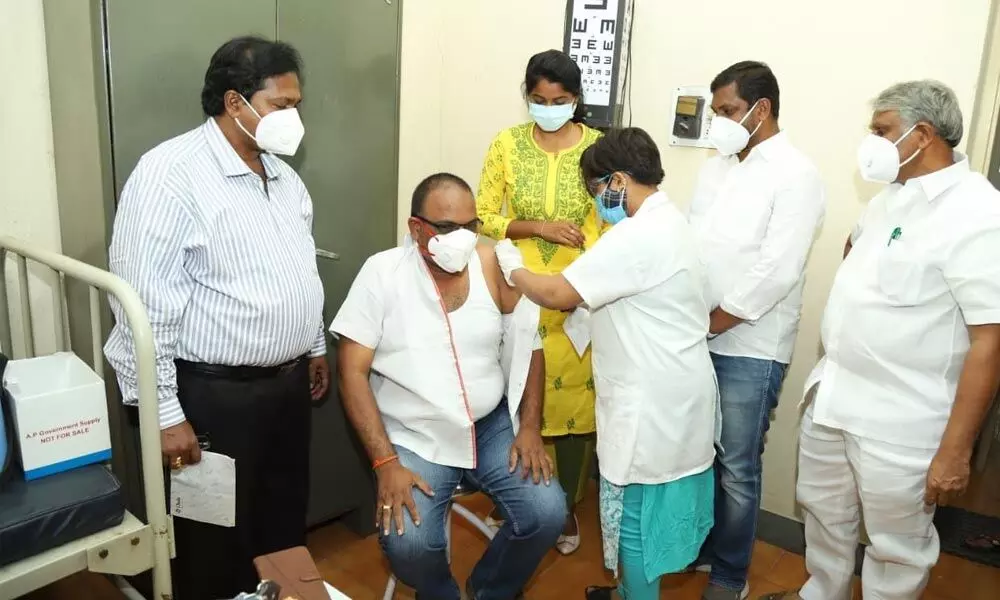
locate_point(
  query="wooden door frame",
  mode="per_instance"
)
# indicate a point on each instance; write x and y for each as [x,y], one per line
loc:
[981,140]
[986,109]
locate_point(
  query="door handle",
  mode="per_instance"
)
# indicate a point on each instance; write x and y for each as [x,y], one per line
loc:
[327,254]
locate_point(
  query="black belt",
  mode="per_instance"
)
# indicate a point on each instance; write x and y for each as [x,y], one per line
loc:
[239,373]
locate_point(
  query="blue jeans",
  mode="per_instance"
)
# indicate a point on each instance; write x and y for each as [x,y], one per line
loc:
[749,391]
[533,516]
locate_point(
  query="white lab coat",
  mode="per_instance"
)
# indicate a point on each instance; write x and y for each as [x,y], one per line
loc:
[657,399]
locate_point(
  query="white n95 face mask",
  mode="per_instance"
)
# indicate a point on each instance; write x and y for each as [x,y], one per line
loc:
[452,251]
[279,131]
[728,136]
[878,158]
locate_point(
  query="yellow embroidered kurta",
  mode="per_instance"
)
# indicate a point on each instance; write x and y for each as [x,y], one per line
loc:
[535,185]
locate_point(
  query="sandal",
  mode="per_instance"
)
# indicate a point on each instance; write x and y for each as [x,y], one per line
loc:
[781,596]
[568,544]
[985,543]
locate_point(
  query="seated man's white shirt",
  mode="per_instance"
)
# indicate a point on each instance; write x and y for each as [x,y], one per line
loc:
[656,392]
[393,308]
[755,222]
[894,328]
[476,331]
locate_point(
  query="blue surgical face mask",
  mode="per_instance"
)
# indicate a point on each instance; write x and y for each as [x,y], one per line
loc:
[611,203]
[551,118]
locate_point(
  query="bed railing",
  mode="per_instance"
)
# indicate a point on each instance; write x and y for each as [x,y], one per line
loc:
[98,281]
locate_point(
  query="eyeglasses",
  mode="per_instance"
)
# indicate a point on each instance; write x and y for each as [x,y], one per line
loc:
[446,227]
[593,184]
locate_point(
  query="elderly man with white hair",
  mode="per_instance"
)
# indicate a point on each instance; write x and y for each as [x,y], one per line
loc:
[912,339]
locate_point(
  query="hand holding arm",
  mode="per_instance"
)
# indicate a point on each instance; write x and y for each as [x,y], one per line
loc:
[509,258]
[549,291]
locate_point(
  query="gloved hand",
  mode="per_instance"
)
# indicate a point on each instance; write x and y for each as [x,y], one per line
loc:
[510,259]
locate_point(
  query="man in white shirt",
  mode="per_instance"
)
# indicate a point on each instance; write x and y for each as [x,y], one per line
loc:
[912,339]
[756,209]
[442,374]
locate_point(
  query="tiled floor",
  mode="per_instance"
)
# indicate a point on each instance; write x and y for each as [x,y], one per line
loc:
[355,565]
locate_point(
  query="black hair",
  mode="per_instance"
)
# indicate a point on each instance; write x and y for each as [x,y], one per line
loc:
[431,183]
[244,64]
[754,80]
[629,150]
[557,67]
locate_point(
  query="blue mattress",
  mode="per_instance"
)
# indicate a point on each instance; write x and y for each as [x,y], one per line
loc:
[39,515]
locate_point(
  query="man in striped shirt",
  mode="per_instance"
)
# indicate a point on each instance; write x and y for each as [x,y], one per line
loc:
[215,234]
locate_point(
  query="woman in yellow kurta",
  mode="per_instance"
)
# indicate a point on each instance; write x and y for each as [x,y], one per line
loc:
[534,170]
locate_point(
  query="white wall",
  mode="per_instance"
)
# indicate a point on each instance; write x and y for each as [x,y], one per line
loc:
[28,208]
[463,61]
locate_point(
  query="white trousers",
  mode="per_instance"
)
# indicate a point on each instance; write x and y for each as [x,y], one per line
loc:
[841,475]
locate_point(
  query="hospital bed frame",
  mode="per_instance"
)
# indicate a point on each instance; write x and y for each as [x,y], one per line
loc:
[132,547]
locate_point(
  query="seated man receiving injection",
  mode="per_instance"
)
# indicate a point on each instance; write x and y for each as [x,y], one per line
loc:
[441,372]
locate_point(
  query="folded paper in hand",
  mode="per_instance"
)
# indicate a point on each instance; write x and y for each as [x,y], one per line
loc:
[577,328]
[205,492]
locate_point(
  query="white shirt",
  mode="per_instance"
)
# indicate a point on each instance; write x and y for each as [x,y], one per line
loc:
[225,267]
[894,329]
[755,222]
[394,309]
[656,391]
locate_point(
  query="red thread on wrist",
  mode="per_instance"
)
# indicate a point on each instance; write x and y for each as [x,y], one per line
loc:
[384,461]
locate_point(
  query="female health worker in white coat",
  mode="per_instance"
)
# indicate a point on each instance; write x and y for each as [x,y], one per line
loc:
[657,397]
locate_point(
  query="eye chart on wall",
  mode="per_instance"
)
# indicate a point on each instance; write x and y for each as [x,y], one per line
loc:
[595,35]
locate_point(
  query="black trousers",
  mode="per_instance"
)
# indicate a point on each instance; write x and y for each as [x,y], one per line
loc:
[264,424]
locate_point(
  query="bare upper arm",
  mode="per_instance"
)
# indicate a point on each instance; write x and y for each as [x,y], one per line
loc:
[988,333]
[505,297]
[354,358]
